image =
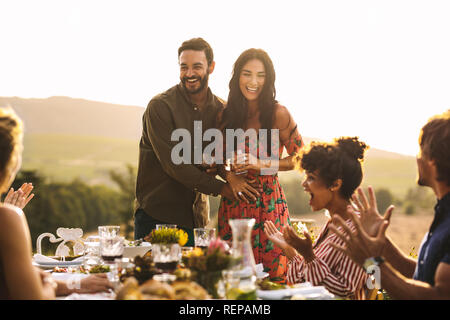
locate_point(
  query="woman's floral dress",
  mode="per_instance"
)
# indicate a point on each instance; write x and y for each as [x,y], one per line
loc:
[271,205]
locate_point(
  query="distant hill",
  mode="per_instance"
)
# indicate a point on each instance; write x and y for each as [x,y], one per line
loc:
[64,115]
[67,138]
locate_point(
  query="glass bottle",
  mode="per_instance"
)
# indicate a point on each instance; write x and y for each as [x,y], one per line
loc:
[241,282]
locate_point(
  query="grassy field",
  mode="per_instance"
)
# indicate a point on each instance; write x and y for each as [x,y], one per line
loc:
[66,157]
[395,174]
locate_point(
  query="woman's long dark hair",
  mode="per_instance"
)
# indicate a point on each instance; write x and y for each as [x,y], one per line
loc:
[236,112]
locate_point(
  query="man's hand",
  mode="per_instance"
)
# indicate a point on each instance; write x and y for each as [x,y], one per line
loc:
[227,192]
[242,187]
[359,245]
[95,283]
[370,218]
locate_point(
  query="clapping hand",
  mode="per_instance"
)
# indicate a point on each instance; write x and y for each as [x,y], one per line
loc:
[274,235]
[279,239]
[359,245]
[303,246]
[21,197]
[370,218]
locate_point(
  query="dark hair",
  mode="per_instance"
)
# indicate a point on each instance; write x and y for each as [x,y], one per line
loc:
[235,114]
[198,44]
[338,160]
[11,131]
[434,143]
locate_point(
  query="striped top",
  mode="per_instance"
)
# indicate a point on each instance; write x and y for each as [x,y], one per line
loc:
[331,268]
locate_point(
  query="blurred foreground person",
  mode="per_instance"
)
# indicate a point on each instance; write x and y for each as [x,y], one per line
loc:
[19,279]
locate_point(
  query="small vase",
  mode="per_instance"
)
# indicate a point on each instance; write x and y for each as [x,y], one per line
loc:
[211,281]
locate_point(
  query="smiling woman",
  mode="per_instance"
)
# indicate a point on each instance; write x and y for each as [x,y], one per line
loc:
[251,106]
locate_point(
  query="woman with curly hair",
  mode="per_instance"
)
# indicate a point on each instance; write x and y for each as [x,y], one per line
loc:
[333,172]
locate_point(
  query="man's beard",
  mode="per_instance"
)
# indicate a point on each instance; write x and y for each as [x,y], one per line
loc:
[203,83]
[421,182]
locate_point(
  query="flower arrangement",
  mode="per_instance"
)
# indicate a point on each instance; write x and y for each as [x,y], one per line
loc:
[216,258]
[207,265]
[167,236]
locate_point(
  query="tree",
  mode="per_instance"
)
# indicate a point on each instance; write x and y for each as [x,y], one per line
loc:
[421,197]
[126,181]
[70,205]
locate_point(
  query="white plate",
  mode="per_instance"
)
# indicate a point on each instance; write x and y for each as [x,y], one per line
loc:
[303,292]
[133,251]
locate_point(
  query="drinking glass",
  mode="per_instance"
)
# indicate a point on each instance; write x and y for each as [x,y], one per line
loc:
[166,256]
[111,248]
[108,231]
[113,274]
[203,236]
[91,251]
[237,288]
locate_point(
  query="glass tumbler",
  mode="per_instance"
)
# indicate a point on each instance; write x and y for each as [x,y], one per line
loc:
[203,237]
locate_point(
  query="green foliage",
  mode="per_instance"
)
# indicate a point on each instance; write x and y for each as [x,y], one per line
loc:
[70,205]
[297,199]
[127,184]
[420,197]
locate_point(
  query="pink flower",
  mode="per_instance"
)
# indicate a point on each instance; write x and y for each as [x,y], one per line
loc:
[218,244]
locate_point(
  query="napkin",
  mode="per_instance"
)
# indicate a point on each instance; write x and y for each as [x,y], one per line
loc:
[40,258]
[259,268]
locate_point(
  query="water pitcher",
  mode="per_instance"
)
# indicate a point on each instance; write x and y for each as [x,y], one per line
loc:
[242,247]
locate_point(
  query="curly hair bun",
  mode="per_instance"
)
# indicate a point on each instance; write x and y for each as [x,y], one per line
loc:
[352,147]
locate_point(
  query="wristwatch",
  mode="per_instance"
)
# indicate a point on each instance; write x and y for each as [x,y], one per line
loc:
[372,261]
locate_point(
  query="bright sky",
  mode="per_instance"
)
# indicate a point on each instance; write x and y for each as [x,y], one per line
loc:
[375,69]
